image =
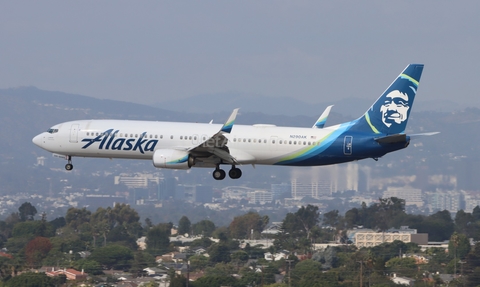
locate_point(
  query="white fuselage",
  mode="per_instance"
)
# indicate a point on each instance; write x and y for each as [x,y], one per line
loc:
[257,144]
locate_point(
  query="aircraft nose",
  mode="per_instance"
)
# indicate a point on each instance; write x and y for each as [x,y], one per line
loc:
[38,140]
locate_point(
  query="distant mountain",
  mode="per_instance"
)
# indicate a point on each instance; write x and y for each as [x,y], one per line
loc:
[224,102]
[27,111]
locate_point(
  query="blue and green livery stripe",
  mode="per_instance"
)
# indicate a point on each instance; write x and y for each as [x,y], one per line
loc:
[227,127]
[180,160]
[367,118]
[405,76]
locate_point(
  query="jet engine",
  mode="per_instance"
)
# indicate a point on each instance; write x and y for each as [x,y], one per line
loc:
[173,159]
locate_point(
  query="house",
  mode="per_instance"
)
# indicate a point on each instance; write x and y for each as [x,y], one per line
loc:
[154,271]
[70,273]
[198,250]
[84,254]
[402,280]
[277,256]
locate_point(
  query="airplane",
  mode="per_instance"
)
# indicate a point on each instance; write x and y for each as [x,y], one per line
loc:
[181,145]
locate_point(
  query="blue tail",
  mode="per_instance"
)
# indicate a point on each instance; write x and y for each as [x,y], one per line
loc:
[389,114]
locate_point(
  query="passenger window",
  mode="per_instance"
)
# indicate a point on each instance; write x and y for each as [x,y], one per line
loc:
[190,138]
[249,140]
[181,137]
[244,140]
[171,137]
[304,143]
[234,140]
[273,141]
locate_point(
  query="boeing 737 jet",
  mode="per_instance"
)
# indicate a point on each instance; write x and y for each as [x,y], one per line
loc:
[179,145]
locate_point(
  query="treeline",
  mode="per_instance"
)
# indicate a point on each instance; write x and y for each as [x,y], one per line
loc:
[110,235]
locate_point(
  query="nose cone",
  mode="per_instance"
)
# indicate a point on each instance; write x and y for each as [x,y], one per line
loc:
[38,140]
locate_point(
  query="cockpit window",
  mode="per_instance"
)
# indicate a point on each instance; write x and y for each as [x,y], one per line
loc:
[52,131]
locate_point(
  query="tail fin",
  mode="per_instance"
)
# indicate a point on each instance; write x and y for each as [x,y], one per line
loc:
[389,114]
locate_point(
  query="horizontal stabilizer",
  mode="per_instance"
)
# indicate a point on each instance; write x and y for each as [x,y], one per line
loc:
[415,136]
[392,139]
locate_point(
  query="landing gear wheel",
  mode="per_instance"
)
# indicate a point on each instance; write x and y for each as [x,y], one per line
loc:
[235,173]
[69,165]
[218,174]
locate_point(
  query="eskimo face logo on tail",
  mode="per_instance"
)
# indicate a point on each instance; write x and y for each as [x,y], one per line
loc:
[395,108]
[109,140]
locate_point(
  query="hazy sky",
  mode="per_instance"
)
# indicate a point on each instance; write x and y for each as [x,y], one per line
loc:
[153,51]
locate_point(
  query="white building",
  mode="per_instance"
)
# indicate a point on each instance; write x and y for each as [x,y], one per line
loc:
[412,196]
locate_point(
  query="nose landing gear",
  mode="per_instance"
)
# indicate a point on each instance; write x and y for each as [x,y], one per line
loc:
[69,165]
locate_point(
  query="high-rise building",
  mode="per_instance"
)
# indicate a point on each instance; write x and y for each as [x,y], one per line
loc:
[167,188]
[412,196]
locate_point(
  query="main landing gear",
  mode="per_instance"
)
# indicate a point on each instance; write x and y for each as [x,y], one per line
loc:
[233,173]
[69,165]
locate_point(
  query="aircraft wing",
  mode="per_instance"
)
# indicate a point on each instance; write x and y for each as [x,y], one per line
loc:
[322,119]
[217,144]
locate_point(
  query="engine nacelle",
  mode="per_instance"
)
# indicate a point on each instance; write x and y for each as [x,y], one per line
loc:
[171,158]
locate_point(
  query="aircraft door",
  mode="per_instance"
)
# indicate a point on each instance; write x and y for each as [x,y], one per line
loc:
[74,133]
[347,145]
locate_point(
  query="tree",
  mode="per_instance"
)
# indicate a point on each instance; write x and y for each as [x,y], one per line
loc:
[458,246]
[219,252]
[184,225]
[386,211]
[91,267]
[331,218]
[36,250]
[239,257]
[113,256]
[31,229]
[204,227]
[327,257]
[30,279]
[27,211]
[463,220]
[403,266]
[158,239]
[242,226]
[215,281]
[308,217]
[309,273]
[76,217]
[198,262]
[141,261]
[476,213]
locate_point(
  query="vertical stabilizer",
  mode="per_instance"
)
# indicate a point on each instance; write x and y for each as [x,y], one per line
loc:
[389,114]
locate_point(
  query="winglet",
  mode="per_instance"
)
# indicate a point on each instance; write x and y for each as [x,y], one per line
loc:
[228,125]
[323,118]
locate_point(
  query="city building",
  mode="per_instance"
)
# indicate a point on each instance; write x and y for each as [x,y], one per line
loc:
[412,196]
[371,239]
[259,197]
